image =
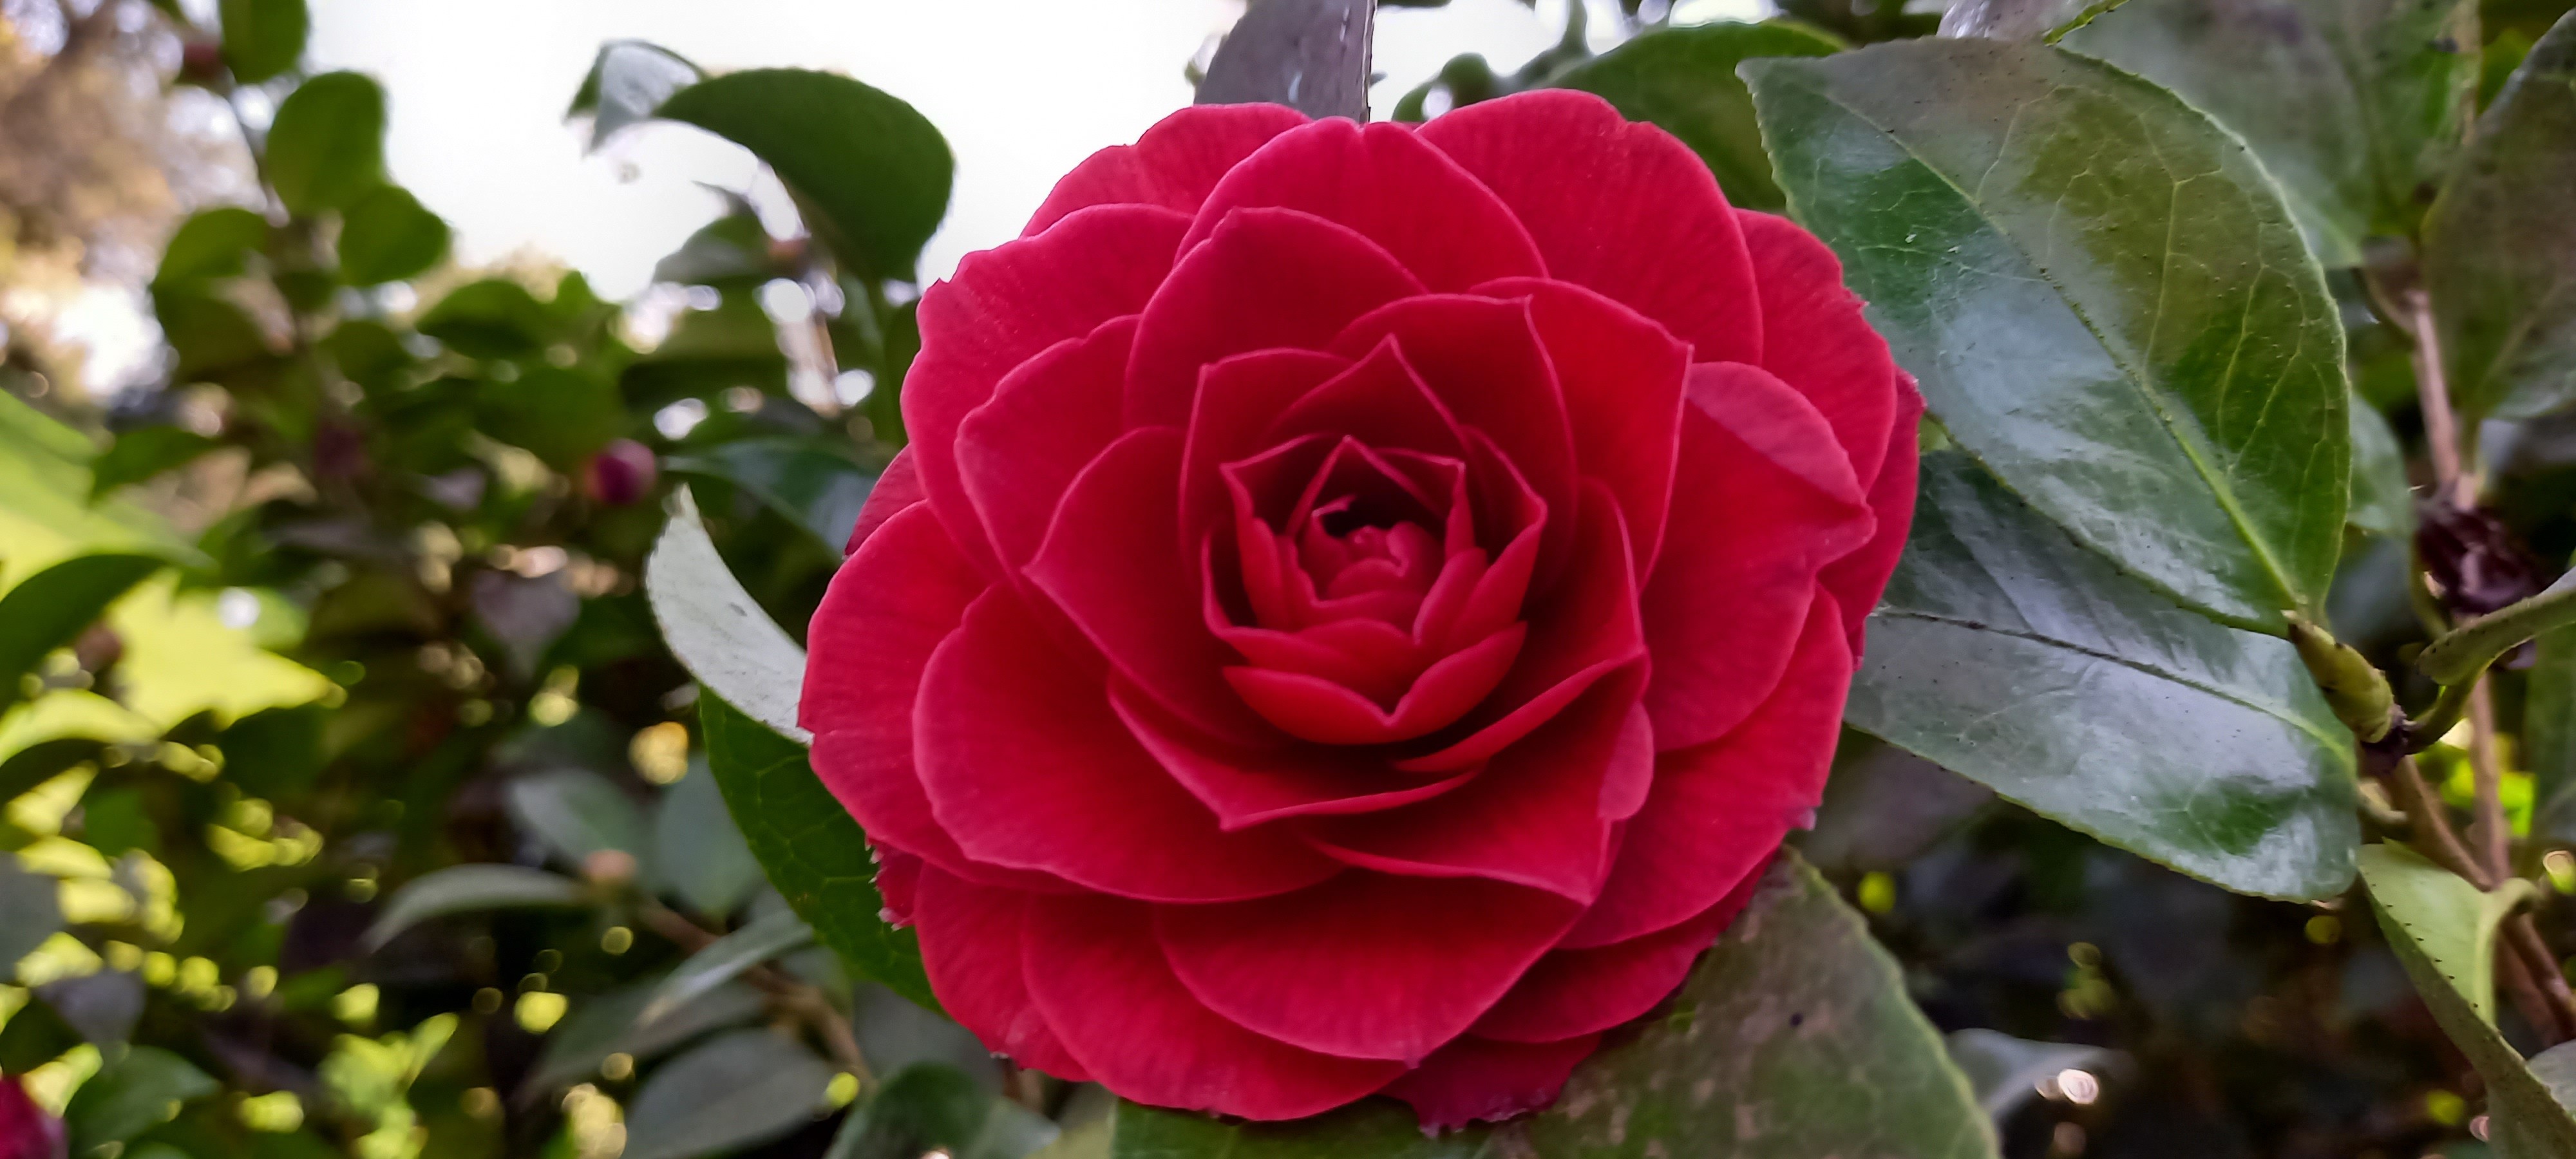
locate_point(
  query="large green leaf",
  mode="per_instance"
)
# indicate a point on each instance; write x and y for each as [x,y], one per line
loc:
[263,38]
[610,1024]
[2017,659]
[386,236]
[138,1091]
[492,318]
[577,813]
[2443,929]
[870,172]
[1793,1038]
[810,481]
[1684,80]
[717,632]
[698,853]
[2383,502]
[327,145]
[563,414]
[728,1093]
[725,959]
[814,853]
[143,452]
[2101,294]
[51,608]
[469,889]
[2500,245]
[2354,105]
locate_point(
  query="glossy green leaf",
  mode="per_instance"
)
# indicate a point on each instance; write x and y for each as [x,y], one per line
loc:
[2355,105]
[812,482]
[563,414]
[132,1094]
[2017,659]
[144,452]
[720,635]
[577,813]
[470,889]
[698,853]
[51,608]
[263,38]
[1792,1039]
[610,1024]
[2500,244]
[1312,55]
[2443,930]
[492,318]
[2101,294]
[814,853]
[871,173]
[1683,79]
[387,236]
[2383,502]
[327,145]
[725,959]
[627,81]
[923,1108]
[212,243]
[737,1089]
[30,909]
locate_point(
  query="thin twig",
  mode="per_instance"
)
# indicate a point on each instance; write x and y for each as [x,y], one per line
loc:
[802,999]
[2521,937]
[2432,826]
[2442,432]
[2489,832]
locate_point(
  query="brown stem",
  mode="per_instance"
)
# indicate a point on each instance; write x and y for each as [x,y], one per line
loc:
[2442,434]
[805,1001]
[2524,946]
[2431,826]
[2528,971]
[2490,833]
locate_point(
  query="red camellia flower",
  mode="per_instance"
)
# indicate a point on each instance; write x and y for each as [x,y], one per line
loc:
[1361,603]
[26,1131]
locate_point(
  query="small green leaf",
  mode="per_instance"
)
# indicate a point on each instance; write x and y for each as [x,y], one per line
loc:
[1792,1039]
[210,334]
[2500,245]
[144,452]
[2383,503]
[1684,80]
[131,1095]
[734,247]
[2102,296]
[562,414]
[492,318]
[2443,930]
[51,608]
[812,482]
[263,38]
[213,243]
[724,960]
[2011,656]
[327,145]
[577,813]
[698,853]
[470,888]
[606,1025]
[737,1089]
[30,909]
[1312,55]
[871,173]
[386,236]
[719,634]
[815,854]
[628,80]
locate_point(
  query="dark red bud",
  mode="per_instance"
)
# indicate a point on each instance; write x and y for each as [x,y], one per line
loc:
[201,60]
[26,1131]
[622,472]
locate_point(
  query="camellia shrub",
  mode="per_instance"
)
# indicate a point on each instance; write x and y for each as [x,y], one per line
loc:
[1834,586]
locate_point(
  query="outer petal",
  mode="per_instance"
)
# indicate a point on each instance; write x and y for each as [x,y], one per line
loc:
[1718,812]
[1095,971]
[1622,208]
[1173,165]
[1856,580]
[1763,504]
[1383,182]
[1019,451]
[1478,1079]
[1365,965]
[1817,340]
[1003,307]
[1266,278]
[970,945]
[897,487]
[1575,992]
[1026,766]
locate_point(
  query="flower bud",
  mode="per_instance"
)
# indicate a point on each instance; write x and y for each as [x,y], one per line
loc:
[26,1131]
[623,472]
[2354,688]
[201,61]
[609,867]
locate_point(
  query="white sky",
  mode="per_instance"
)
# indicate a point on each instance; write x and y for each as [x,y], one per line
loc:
[1023,89]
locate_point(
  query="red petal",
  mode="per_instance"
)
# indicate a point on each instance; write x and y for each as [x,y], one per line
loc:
[1266,278]
[1026,766]
[1319,710]
[1094,969]
[1817,340]
[1856,580]
[898,880]
[1173,165]
[1250,787]
[1480,1080]
[1380,401]
[1238,398]
[1617,207]
[1573,992]
[970,946]
[897,487]
[1532,818]
[1385,184]
[1365,965]
[1623,378]
[1113,562]
[1482,358]
[1002,308]
[1718,811]
[1763,503]
[1020,451]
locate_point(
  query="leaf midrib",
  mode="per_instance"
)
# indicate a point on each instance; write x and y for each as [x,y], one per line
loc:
[2156,403]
